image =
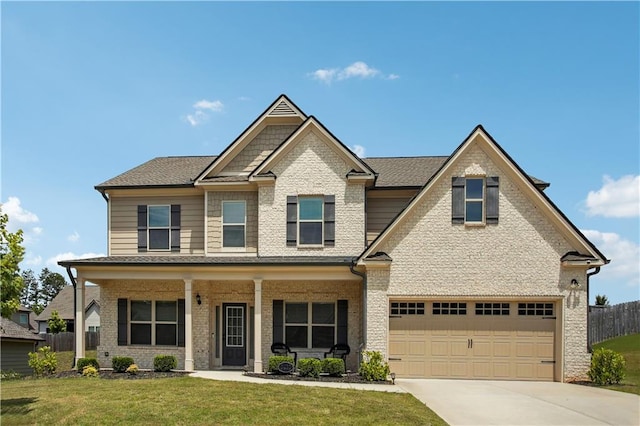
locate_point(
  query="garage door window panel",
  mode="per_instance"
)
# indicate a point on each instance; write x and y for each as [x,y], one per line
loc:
[407,308]
[535,309]
[495,309]
[449,308]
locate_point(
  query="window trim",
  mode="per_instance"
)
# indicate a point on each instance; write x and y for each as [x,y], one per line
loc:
[300,221]
[153,322]
[310,324]
[482,200]
[244,226]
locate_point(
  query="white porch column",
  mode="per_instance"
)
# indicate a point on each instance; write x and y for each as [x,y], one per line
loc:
[188,327]
[257,325]
[79,319]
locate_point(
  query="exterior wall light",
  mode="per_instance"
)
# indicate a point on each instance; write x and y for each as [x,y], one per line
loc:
[393,378]
[199,299]
[575,284]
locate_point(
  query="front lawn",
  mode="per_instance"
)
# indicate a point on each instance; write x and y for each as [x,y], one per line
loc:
[629,347]
[189,400]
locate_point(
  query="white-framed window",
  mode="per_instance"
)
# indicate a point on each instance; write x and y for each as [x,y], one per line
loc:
[310,325]
[310,221]
[159,227]
[474,200]
[234,218]
[154,322]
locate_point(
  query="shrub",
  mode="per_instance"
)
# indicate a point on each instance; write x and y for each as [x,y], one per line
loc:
[276,360]
[373,367]
[607,367]
[90,371]
[43,362]
[165,363]
[309,367]
[83,362]
[9,375]
[333,366]
[121,363]
[132,369]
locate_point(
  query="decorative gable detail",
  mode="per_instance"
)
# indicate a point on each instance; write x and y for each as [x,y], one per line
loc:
[283,108]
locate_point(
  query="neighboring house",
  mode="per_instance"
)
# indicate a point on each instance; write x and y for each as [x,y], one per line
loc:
[456,267]
[25,318]
[16,343]
[64,304]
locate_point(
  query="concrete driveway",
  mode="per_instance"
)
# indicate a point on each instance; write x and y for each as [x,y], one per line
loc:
[476,402]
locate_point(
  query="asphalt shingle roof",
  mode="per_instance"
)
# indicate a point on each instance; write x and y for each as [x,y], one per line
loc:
[11,330]
[63,302]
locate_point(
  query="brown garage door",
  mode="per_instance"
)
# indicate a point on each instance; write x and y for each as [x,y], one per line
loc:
[472,340]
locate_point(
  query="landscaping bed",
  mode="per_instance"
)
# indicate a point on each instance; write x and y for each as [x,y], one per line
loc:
[110,374]
[345,378]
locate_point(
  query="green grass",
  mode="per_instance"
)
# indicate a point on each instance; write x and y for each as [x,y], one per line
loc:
[629,347]
[190,401]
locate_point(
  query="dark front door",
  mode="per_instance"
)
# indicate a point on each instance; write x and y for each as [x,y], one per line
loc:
[234,334]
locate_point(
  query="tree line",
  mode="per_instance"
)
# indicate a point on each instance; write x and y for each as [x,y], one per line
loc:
[38,292]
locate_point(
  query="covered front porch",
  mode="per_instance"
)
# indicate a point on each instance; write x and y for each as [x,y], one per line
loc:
[223,317]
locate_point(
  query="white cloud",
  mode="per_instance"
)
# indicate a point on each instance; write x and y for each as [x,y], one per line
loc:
[201,107]
[13,209]
[215,106]
[358,150]
[624,255]
[357,69]
[616,198]
[53,261]
[324,75]
[244,98]
[74,238]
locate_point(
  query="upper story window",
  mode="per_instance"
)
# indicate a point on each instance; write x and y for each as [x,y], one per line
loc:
[475,200]
[24,319]
[311,221]
[159,227]
[234,215]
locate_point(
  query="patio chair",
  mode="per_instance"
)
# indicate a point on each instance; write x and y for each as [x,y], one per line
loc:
[339,350]
[280,348]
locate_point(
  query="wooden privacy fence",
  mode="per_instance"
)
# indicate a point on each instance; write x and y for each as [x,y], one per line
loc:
[64,341]
[606,322]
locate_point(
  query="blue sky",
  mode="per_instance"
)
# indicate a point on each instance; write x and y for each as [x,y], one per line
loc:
[90,90]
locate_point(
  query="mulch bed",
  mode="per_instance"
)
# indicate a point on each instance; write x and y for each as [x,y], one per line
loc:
[346,378]
[109,374]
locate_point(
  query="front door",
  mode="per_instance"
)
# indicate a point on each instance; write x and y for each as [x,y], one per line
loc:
[234,333]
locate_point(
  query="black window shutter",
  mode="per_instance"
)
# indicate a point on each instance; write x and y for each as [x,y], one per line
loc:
[175,227]
[278,321]
[329,220]
[142,228]
[343,314]
[181,316]
[493,197]
[457,200]
[122,322]
[292,220]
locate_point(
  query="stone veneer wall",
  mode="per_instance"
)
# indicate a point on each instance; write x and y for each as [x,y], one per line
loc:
[312,168]
[518,258]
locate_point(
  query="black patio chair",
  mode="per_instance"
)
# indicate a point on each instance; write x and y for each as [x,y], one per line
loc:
[339,350]
[280,348]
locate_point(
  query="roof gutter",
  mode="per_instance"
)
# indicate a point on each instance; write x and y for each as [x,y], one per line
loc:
[104,195]
[75,302]
[362,275]
[589,275]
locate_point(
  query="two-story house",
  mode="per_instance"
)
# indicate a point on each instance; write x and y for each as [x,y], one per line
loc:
[454,266]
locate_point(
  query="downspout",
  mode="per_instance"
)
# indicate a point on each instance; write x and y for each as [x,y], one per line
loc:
[75,295]
[362,275]
[589,275]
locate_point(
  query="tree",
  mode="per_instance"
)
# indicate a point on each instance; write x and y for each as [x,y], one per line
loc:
[602,300]
[11,254]
[56,324]
[32,296]
[51,284]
